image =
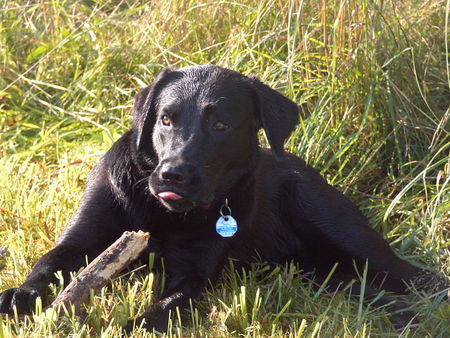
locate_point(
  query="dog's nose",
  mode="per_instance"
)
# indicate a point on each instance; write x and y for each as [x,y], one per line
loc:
[173,174]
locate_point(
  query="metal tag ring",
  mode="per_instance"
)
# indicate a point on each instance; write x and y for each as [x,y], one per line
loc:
[221,210]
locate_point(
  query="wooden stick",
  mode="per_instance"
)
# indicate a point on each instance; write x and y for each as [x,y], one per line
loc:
[100,271]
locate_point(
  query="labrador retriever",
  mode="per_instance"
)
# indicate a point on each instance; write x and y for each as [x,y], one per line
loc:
[191,173]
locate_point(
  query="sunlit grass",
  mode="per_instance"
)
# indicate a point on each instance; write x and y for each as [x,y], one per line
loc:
[372,81]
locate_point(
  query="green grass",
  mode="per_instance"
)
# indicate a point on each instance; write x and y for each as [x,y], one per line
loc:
[372,78]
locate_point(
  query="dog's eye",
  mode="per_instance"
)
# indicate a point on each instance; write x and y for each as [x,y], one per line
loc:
[220,126]
[165,120]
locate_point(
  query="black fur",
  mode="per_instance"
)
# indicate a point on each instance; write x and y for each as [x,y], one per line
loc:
[285,210]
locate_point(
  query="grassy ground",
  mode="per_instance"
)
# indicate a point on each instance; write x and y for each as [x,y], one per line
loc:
[372,78]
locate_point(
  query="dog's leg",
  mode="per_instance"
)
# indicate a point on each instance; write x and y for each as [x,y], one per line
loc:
[189,267]
[399,312]
[94,227]
[334,229]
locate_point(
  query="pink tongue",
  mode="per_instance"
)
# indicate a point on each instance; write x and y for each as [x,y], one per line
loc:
[169,195]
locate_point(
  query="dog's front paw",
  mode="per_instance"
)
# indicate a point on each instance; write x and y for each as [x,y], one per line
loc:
[401,315]
[23,299]
[155,318]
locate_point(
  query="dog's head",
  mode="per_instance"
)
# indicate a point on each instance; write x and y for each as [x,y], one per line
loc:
[202,123]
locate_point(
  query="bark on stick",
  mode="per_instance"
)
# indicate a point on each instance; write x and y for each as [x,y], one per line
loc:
[100,271]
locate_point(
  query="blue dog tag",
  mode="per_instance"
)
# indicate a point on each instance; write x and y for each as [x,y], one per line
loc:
[226,226]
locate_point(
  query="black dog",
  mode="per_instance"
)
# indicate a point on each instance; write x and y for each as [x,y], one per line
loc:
[191,173]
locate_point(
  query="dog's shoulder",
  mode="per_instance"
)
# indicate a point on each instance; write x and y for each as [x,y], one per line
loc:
[287,179]
[122,169]
[288,168]
[120,152]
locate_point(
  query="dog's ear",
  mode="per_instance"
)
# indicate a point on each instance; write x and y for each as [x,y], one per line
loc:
[144,114]
[275,113]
